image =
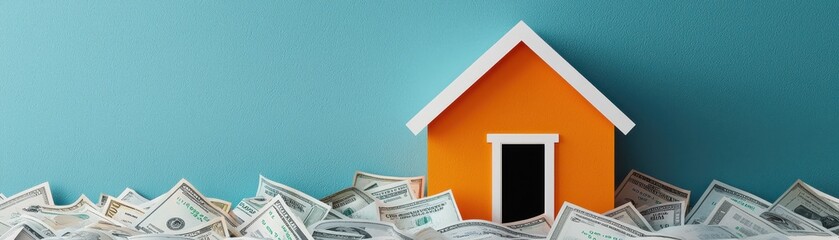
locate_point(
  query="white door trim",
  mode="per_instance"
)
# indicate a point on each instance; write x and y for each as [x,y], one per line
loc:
[499,139]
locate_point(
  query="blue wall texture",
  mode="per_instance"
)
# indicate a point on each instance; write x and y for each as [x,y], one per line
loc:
[99,95]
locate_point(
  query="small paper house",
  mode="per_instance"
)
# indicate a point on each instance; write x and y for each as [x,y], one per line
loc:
[519,132]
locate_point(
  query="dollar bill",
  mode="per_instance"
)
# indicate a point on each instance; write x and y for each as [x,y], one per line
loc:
[367,229]
[131,196]
[20,232]
[248,207]
[576,223]
[811,204]
[334,235]
[348,200]
[793,223]
[538,225]
[275,221]
[182,208]
[393,193]
[37,195]
[716,191]
[664,215]
[369,212]
[332,215]
[122,212]
[729,214]
[307,208]
[700,232]
[80,213]
[471,229]
[433,211]
[216,229]
[35,226]
[102,199]
[368,181]
[643,190]
[220,204]
[627,213]
[2,196]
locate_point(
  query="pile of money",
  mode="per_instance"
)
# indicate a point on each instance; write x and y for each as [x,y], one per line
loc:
[386,207]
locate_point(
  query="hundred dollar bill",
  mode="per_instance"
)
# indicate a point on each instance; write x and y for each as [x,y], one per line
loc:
[80,213]
[216,229]
[369,212]
[122,212]
[348,200]
[35,226]
[131,196]
[2,196]
[700,232]
[248,207]
[627,213]
[220,204]
[811,204]
[102,199]
[367,229]
[104,231]
[664,215]
[471,229]
[182,208]
[433,211]
[643,190]
[793,223]
[716,191]
[729,214]
[275,221]
[366,181]
[19,232]
[334,235]
[538,225]
[576,223]
[394,193]
[332,215]
[307,208]
[37,195]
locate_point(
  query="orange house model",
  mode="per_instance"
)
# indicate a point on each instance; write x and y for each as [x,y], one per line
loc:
[520,132]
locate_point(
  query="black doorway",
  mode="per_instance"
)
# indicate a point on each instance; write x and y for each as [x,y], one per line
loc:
[522,181]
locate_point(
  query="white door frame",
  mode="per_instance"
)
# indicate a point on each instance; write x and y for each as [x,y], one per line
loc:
[497,141]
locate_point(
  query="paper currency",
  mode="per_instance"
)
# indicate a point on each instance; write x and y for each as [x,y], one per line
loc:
[433,211]
[664,215]
[275,221]
[182,208]
[307,208]
[394,193]
[131,196]
[716,191]
[348,200]
[334,235]
[122,212]
[248,207]
[215,229]
[220,204]
[576,223]
[37,195]
[102,199]
[2,196]
[80,213]
[627,213]
[729,214]
[700,232]
[366,181]
[19,233]
[369,212]
[810,203]
[643,190]
[538,225]
[333,215]
[471,229]
[793,223]
[364,228]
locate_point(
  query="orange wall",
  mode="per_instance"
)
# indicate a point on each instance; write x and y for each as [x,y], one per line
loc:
[521,94]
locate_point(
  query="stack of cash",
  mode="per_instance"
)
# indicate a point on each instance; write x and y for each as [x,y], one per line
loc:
[385,207]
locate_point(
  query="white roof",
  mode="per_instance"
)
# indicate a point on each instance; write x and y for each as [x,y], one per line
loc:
[520,33]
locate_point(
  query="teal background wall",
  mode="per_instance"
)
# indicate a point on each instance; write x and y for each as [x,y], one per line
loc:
[99,95]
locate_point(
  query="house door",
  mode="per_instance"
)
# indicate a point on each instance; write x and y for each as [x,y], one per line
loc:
[522,176]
